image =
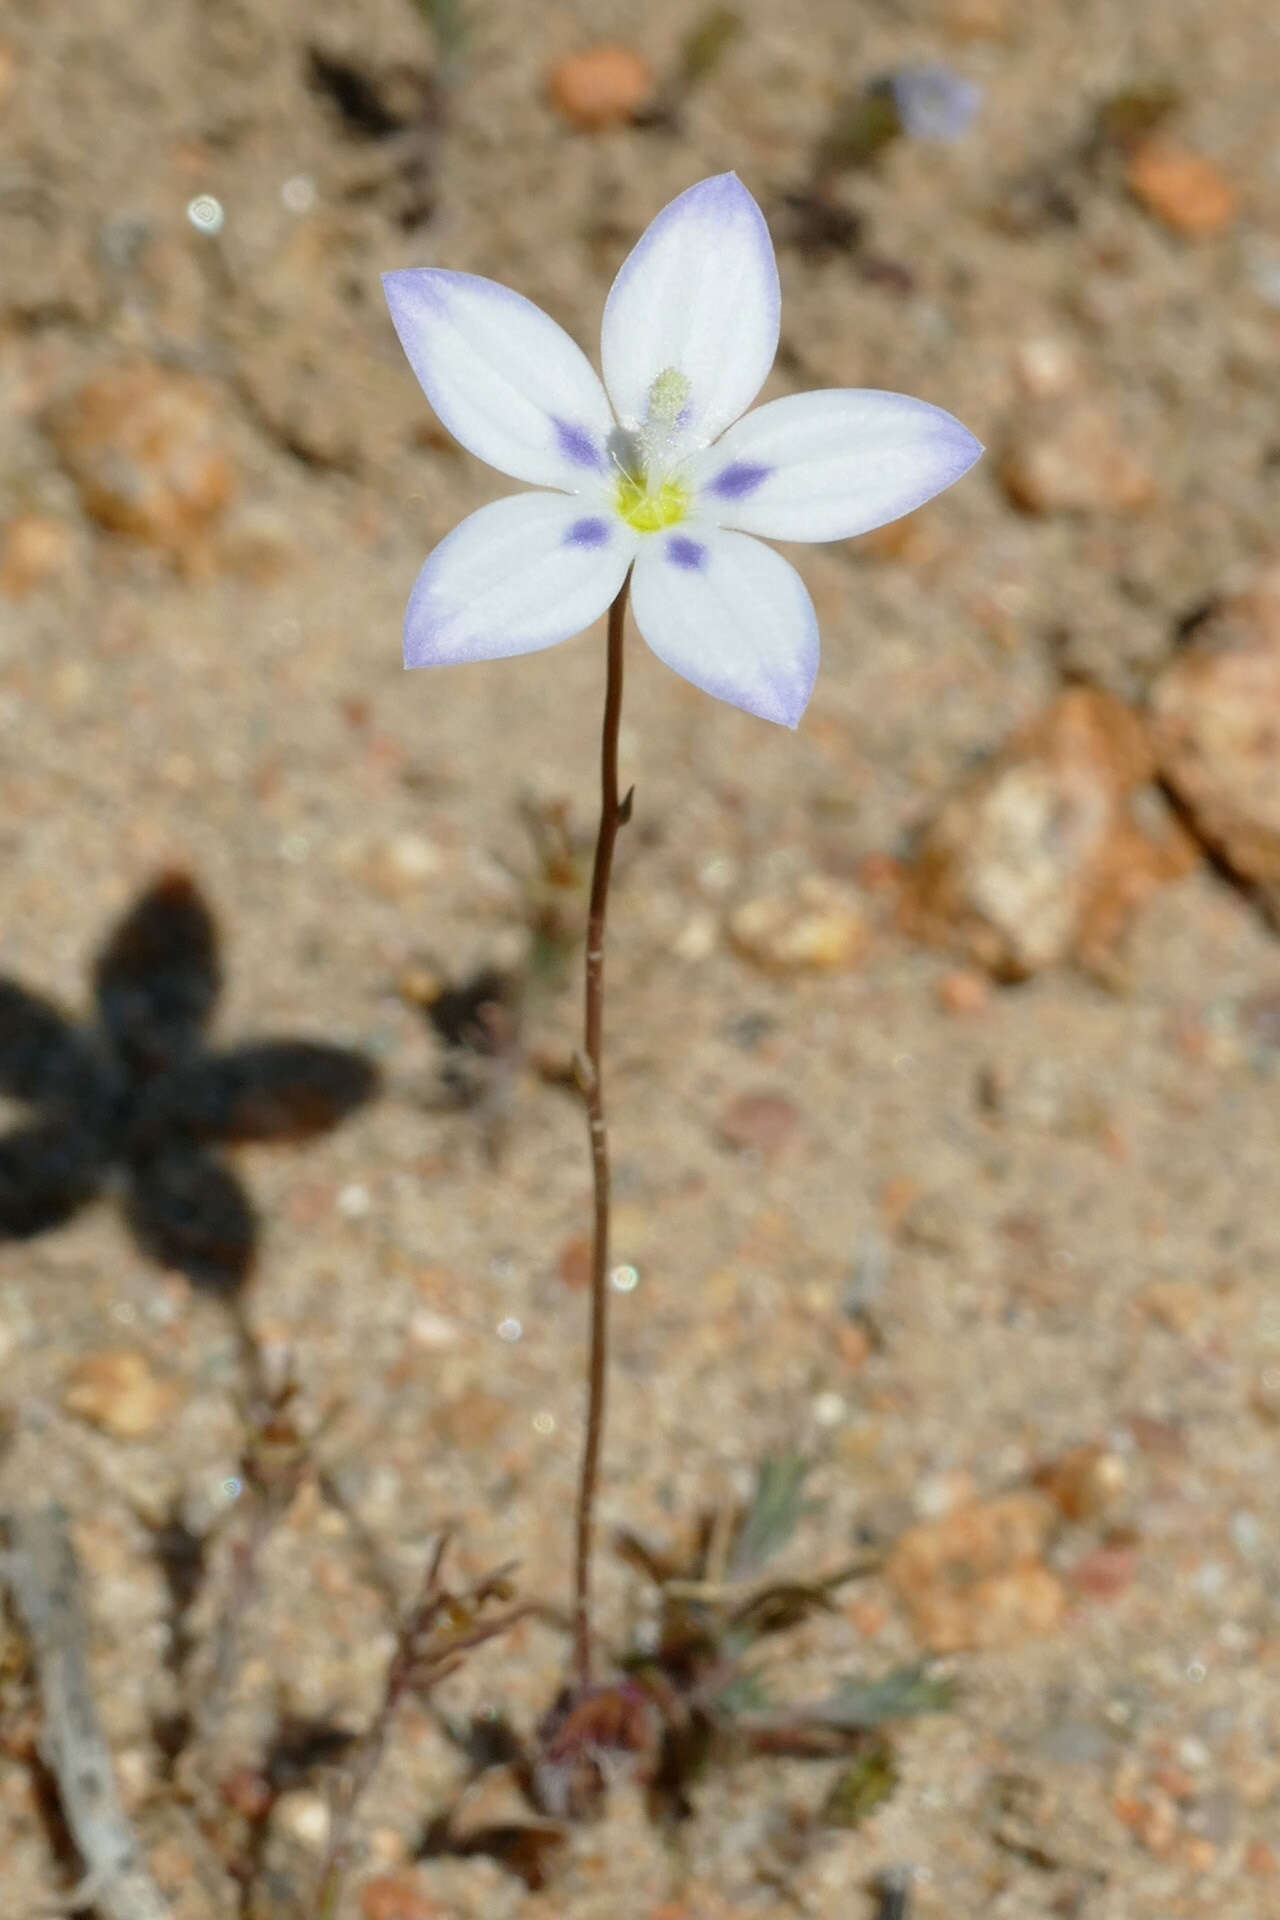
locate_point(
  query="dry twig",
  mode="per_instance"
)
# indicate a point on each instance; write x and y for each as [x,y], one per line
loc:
[43,1576]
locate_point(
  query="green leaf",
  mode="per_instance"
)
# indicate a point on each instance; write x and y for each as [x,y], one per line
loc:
[777,1507]
[870,1779]
[900,1695]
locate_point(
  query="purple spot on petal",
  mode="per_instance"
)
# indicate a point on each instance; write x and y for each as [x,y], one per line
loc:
[576,444]
[686,553]
[741,478]
[587,533]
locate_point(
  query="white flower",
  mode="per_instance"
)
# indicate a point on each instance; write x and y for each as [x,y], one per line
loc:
[655,470]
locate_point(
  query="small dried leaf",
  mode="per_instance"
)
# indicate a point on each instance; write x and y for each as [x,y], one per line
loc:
[776,1608]
[300,1746]
[493,1817]
[649,1561]
[481,1015]
[860,128]
[870,1779]
[1126,117]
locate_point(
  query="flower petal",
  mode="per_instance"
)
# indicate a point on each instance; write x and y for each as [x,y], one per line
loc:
[503,377]
[698,293]
[730,615]
[519,575]
[824,466]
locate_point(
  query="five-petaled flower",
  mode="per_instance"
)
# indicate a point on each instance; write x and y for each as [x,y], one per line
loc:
[655,470]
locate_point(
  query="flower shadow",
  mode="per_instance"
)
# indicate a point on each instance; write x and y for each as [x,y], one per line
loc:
[135,1099]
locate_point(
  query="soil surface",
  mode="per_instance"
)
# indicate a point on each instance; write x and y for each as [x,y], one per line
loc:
[960,1238]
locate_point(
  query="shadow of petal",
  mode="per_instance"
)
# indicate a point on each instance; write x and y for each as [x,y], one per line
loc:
[158,976]
[42,1056]
[189,1212]
[274,1090]
[47,1172]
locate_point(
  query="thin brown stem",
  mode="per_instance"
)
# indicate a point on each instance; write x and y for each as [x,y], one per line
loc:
[441,1629]
[614,813]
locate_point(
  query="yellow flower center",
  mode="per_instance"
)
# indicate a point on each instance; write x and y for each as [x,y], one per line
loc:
[647,511]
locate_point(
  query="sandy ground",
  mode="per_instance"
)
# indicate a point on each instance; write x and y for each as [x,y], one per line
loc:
[1065,1191]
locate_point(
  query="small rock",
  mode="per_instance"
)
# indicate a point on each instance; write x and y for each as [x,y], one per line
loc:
[1262,1861]
[696,939]
[145,446]
[1105,1573]
[249,1792]
[813,923]
[1199,1853]
[1084,1483]
[391,1896]
[8,74]
[434,1331]
[1186,191]
[400,866]
[1264,1396]
[36,548]
[304,1816]
[939,1494]
[853,1343]
[1157,1823]
[1176,1305]
[473,1420]
[762,1120]
[1216,731]
[119,1393]
[1074,460]
[256,546]
[1051,849]
[963,992]
[975,1578]
[974,19]
[603,86]
[1046,367]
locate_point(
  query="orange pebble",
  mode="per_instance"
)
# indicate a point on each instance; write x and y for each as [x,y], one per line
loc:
[603,86]
[963,992]
[1188,193]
